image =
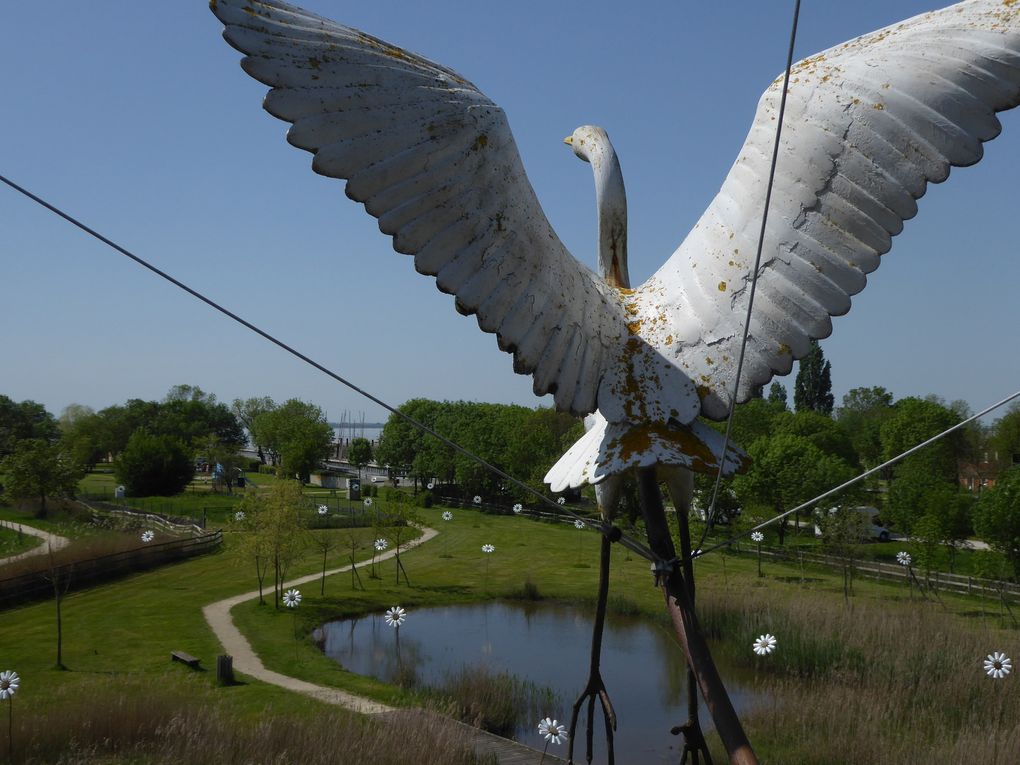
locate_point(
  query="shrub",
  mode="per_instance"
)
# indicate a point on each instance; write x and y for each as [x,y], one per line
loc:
[154,465]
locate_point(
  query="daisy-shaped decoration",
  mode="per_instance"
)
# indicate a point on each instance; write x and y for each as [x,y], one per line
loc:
[488,548]
[578,524]
[239,516]
[381,544]
[518,507]
[552,730]
[478,500]
[757,536]
[148,536]
[9,682]
[431,485]
[447,515]
[764,645]
[292,598]
[562,501]
[323,509]
[396,616]
[903,558]
[998,665]
[368,501]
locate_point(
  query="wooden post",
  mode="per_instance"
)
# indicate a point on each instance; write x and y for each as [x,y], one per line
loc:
[686,626]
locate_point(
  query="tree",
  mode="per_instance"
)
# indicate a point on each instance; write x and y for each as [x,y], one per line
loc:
[821,430]
[843,527]
[278,531]
[997,517]
[80,427]
[246,411]
[24,420]
[154,465]
[39,470]
[359,453]
[813,386]
[778,394]
[298,433]
[787,470]
[1004,440]
[861,415]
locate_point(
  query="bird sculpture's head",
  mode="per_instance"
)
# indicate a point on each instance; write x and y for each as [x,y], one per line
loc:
[589,143]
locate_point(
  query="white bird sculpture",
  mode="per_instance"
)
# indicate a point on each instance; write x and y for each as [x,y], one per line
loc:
[868,125]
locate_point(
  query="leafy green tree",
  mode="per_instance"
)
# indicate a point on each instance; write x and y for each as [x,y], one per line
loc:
[246,410]
[359,453]
[298,433]
[861,416]
[278,522]
[787,471]
[80,427]
[39,470]
[24,420]
[407,447]
[843,528]
[1004,440]
[153,465]
[778,394]
[821,430]
[813,386]
[997,517]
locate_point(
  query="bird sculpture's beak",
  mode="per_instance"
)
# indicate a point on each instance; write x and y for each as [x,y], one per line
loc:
[569,140]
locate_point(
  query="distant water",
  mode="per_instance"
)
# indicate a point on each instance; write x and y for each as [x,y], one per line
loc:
[642,666]
[371,433]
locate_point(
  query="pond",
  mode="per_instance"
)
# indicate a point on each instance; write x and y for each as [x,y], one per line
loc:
[548,645]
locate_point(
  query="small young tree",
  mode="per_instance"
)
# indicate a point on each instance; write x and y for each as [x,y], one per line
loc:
[39,470]
[843,528]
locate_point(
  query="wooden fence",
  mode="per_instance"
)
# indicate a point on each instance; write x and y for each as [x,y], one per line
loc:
[87,573]
[938,580]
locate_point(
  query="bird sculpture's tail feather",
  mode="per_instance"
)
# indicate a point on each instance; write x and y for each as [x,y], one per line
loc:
[611,448]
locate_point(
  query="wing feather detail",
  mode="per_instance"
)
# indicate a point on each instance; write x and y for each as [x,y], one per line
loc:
[869,124]
[433,159]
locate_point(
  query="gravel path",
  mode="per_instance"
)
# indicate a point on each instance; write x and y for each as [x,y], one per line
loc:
[54,541]
[247,662]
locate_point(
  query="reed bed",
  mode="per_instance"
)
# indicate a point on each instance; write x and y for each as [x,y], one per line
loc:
[873,682]
[130,723]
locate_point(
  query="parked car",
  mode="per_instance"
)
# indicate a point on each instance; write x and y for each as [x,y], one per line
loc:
[874,526]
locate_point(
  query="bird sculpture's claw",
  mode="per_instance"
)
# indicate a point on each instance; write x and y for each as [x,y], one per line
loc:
[596,689]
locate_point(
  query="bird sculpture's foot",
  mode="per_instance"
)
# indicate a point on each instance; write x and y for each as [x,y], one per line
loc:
[694,743]
[596,690]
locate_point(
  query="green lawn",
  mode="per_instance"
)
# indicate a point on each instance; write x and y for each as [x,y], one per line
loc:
[12,542]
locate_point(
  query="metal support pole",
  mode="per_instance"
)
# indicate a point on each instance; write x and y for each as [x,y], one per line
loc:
[685,623]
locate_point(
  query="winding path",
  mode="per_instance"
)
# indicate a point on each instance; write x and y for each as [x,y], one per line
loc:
[54,541]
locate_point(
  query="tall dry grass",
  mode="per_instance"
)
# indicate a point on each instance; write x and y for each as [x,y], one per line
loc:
[133,723]
[872,682]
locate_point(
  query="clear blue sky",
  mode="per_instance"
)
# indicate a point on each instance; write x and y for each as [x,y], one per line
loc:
[136,117]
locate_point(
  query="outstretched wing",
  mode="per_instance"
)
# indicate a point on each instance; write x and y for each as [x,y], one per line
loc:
[434,160]
[868,125]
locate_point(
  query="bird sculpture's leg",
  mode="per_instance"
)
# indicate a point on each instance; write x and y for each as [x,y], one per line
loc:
[608,493]
[670,578]
[681,490]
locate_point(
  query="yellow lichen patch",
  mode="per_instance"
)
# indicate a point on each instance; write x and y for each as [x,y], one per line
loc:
[708,360]
[481,142]
[314,63]
[880,107]
[634,327]
[669,339]
[631,308]
[784,348]
[625,290]
[722,286]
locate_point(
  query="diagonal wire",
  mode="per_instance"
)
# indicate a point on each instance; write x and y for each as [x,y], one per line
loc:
[861,477]
[710,515]
[604,527]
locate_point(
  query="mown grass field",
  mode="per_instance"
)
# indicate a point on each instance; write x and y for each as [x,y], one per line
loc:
[886,678]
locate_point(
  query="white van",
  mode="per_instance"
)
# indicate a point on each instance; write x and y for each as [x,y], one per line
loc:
[874,527]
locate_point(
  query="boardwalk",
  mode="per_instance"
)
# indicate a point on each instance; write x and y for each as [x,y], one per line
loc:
[247,662]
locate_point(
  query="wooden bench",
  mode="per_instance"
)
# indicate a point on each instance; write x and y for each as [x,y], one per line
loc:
[185,658]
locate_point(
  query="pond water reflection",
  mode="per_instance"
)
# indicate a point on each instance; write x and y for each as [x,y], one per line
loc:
[547,645]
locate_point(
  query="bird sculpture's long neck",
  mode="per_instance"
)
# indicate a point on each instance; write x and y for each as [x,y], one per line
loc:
[611,198]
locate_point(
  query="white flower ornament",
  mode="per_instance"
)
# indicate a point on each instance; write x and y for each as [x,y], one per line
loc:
[757,536]
[292,598]
[562,501]
[447,515]
[239,516]
[478,499]
[552,730]
[903,558]
[488,548]
[148,536]
[764,645]
[518,507]
[381,544]
[9,682]
[578,524]
[998,665]
[396,616]
[323,509]
[368,501]
[430,486]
